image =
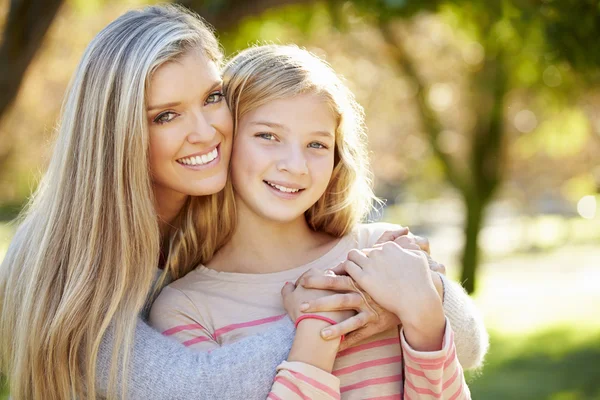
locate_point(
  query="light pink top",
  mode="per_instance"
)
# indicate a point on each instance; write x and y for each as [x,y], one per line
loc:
[207,309]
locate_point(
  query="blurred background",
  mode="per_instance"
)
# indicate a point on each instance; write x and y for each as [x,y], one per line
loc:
[485,137]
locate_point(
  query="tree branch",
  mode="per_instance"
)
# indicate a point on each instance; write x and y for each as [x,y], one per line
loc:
[431,122]
[226,14]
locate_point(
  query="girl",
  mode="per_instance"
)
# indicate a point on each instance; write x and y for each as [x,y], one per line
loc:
[146,96]
[300,175]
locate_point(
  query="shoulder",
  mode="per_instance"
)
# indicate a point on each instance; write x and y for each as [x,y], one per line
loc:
[175,305]
[368,234]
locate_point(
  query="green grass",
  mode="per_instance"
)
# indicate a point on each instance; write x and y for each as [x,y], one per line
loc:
[556,364]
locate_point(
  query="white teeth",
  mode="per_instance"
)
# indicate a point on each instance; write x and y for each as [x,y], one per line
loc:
[283,188]
[200,160]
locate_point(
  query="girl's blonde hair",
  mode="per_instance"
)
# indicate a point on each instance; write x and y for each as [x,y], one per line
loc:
[262,74]
[84,258]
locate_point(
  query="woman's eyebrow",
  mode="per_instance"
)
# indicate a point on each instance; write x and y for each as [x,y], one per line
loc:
[166,105]
[176,103]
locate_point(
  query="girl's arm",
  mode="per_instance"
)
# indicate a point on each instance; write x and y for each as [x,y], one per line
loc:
[306,373]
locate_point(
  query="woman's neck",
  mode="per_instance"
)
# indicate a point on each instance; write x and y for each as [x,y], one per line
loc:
[168,204]
[259,245]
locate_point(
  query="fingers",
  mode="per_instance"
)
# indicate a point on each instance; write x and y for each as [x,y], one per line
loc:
[423,243]
[353,270]
[355,337]
[358,257]
[335,302]
[407,243]
[287,289]
[435,266]
[328,282]
[338,269]
[348,325]
[390,236]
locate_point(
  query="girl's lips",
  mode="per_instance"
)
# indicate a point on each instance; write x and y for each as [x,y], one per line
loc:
[283,195]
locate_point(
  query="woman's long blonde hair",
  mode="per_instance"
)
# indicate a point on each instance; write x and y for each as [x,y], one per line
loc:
[261,74]
[85,256]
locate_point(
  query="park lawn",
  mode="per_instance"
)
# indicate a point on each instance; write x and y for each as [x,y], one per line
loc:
[556,364]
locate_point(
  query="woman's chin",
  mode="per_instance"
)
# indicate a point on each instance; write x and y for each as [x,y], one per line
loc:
[207,186]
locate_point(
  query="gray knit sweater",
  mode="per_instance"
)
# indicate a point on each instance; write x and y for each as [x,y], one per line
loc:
[162,368]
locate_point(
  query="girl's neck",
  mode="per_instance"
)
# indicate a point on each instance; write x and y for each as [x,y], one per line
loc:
[259,245]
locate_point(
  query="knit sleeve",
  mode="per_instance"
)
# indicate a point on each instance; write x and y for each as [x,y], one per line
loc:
[471,337]
[434,374]
[162,368]
[297,380]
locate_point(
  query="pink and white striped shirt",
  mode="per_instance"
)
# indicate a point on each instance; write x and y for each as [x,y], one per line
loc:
[207,309]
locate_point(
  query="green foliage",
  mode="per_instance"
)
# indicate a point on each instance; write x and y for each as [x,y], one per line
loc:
[572,29]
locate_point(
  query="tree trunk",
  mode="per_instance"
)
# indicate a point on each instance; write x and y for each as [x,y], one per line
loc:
[470,257]
[26,25]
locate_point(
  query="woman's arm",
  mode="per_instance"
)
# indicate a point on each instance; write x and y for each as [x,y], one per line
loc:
[162,368]
[470,335]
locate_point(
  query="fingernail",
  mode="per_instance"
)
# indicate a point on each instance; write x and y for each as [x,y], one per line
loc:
[303,306]
[326,333]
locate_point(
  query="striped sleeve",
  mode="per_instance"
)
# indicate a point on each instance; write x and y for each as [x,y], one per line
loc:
[434,374]
[175,315]
[297,380]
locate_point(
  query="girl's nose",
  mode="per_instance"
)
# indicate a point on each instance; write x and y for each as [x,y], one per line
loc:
[293,162]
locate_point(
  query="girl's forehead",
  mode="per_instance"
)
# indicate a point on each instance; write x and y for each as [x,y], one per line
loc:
[305,110]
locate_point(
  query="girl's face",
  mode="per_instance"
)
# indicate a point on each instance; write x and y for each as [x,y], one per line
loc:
[283,157]
[190,127]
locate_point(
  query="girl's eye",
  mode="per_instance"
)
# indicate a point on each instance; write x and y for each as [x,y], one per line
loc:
[266,136]
[214,97]
[165,117]
[317,145]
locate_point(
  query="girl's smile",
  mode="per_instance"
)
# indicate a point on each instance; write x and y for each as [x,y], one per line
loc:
[283,157]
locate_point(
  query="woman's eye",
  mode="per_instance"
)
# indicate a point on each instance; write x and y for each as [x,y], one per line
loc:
[266,136]
[317,145]
[165,117]
[214,97]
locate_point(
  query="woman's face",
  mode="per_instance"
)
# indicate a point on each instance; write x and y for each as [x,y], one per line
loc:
[283,157]
[190,129]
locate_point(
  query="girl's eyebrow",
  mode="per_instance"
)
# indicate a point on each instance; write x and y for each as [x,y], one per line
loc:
[176,103]
[275,125]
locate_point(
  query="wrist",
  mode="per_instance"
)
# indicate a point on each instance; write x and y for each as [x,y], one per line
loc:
[310,348]
[425,332]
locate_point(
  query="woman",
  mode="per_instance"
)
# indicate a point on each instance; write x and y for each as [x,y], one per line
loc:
[82,264]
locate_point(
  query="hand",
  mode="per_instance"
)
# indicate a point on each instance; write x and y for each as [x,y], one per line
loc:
[405,239]
[295,295]
[370,319]
[400,281]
